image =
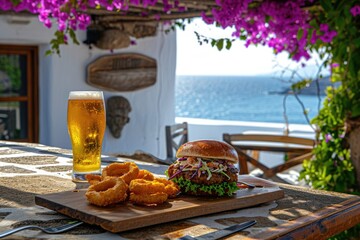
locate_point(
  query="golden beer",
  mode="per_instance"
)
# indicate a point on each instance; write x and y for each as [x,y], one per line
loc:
[86,125]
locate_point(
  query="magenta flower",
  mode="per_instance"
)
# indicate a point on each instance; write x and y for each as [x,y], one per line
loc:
[281,25]
[182,9]
[61,26]
[328,137]
[272,23]
[47,23]
[334,65]
[206,19]
[157,17]
[65,39]
[324,27]
[355,10]
[328,34]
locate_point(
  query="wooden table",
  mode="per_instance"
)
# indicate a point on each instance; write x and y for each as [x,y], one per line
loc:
[248,147]
[27,170]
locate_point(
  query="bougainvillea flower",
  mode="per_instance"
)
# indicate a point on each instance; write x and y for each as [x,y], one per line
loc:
[334,65]
[355,10]
[280,25]
[328,137]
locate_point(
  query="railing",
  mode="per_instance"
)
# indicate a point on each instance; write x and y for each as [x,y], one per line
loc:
[214,129]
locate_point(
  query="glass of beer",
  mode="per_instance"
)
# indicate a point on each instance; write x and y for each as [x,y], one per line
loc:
[86,120]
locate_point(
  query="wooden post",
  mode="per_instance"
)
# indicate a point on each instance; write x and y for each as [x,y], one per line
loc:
[354,142]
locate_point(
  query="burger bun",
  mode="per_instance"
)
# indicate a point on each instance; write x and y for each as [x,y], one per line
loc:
[210,149]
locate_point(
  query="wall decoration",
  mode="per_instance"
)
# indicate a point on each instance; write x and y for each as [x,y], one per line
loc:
[122,72]
[105,33]
[117,114]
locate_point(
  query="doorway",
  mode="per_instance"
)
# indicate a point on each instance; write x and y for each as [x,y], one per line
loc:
[19,107]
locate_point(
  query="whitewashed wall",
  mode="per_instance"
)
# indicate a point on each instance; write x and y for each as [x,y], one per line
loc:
[152,107]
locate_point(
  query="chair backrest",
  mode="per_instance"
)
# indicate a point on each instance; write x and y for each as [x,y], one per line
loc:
[297,149]
[176,135]
[286,143]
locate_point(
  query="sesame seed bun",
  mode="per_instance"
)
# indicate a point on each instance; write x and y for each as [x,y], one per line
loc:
[210,149]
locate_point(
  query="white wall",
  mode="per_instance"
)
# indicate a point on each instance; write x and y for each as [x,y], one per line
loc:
[152,107]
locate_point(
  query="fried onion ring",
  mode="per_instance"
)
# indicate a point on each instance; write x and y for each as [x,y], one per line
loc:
[93,179]
[109,191]
[145,174]
[171,188]
[148,199]
[127,171]
[142,186]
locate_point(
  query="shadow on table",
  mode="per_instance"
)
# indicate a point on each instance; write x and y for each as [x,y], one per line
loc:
[11,197]
[42,149]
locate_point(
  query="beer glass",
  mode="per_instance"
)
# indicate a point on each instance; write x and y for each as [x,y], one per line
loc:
[86,124]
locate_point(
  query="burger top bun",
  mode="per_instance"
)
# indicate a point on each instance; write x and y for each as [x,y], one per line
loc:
[208,149]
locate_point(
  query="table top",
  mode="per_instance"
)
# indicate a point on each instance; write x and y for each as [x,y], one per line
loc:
[272,147]
[27,170]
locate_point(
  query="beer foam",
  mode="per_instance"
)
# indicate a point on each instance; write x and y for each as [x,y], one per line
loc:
[86,95]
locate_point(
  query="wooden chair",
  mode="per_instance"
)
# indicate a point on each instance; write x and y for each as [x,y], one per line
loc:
[297,149]
[176,135]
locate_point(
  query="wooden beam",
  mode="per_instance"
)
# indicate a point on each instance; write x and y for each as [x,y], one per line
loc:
[152,17]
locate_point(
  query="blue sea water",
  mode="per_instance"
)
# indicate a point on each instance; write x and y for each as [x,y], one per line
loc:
[240,98]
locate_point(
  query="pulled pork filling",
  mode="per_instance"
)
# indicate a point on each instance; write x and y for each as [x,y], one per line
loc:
[201,170]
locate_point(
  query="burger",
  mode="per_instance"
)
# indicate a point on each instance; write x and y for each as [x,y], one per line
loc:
[205,168]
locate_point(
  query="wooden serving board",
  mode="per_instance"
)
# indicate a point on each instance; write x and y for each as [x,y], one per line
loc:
[126,216]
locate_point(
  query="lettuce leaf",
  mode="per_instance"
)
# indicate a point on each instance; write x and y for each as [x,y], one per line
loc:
[221,189]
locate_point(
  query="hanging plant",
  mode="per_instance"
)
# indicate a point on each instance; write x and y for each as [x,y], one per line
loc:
[299,27]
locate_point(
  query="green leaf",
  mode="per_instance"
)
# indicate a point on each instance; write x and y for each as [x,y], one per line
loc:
[313,23]
[300,85]
[326,4]
[15,2]
[267,18]
[355,110]
[73,37]
[357,42]
[300,34]
[228,44]
[243,37]
[220,44]
[48,52]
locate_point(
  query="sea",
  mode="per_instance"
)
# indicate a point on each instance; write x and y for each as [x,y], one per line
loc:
[243,98]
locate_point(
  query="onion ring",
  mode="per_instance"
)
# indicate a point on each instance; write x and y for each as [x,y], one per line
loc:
[148,199]
[171,188]
[145,174]
[142,186]
[127,171]
[93,179]
[109,191]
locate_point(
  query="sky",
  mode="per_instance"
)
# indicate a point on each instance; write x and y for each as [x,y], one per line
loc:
[196,59]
